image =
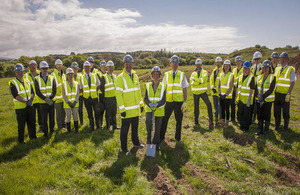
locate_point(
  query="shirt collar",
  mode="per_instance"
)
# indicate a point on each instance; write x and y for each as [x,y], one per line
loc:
[88,74]
[175,71]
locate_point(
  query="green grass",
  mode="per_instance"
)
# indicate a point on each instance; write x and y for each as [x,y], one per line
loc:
[91,163]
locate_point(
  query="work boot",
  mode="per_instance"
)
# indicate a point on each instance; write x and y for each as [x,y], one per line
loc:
[69,127]
[76,126]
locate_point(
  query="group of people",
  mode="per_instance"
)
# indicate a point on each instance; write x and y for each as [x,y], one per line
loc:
[253,88]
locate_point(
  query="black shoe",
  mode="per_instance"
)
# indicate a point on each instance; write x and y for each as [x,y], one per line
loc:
[76,126]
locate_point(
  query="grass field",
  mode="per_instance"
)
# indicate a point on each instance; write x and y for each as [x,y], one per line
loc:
[92,163]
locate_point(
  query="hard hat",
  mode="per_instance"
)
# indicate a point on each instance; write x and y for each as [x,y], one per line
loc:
[284,55]
[110,63]
[19,67]
[218,59]
[74,65]
[198,61]
[227,62]
[90,59]
[44,64]
[174,59]
[266,63]
[238,58]
[156,69]
[257,55]
[103,63]
[58,62]
[128,58]
[247,64]
[274,55]
[86,63]
[32,62]
[69,71]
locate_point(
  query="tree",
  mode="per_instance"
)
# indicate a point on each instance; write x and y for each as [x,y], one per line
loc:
[257,46]
[72,53]
[24,60]
[288,46]
[144,55]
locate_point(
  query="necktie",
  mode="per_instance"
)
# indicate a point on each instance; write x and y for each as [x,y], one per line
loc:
[174,75]
[89,80]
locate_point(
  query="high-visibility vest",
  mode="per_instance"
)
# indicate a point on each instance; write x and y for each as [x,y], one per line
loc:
[253,68]
[101,74]
[199,84]
[45,88]
[95,71]
[244,89]
[214,82]
[109,85]
[71,93]
[225,81]
[28,77]
[174,86]
[236,75]
[23,91]
[87,91]
[59,80]
[78,80]
[267,84]
[155,97]
[283,81]
[128,94]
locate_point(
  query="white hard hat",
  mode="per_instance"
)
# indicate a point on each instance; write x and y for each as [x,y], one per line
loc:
[257,55]
[110,63]
[86,63]
[90,59]
[103,63]
[19,67]
[74,65]
[174,59]
[32,62]
[198,61]
[218,59]
[227,62]
[238,58]
[58,62]
[128,58]
[44,64]
[156,69]
[69,71]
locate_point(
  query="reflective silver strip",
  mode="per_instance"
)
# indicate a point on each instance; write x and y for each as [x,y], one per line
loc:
[174,91]
[72,93]
[270,96]
[196,89]
[227,95]
[154,98]
[108,89]
[121,107]
[16,84]
[283,85]
[119,89]
[132,107]
[130,90]
[57,85]
[162,91]
[283,79]
[174,84]
[244,94]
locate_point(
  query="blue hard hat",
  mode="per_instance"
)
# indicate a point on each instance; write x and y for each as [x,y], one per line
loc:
[284,55]
[174,59]
[19,67]
[274,55]
[128,58]
[266,63]
[247,64]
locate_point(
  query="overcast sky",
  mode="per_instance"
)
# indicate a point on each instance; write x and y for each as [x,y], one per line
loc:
[37,27]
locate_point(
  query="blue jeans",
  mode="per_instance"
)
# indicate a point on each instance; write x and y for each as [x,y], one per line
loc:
[217,106]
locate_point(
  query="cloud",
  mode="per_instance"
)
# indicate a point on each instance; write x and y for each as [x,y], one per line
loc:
[37,27]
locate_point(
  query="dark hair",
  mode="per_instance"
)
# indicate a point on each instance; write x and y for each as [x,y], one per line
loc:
[229,68]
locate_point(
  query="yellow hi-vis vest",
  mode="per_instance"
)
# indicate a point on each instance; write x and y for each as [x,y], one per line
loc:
[155,97]
[110,85]
[87,91]
[225,81]
[28,77]
[101,74]
[71,93]
[199,84]
[253,67]
[78,80]
[244,89]
[283,81]
[214,83]
[22,92]
[174,86]
[128,94]
[267,84]
[236,75]
[45,88]
[59,80]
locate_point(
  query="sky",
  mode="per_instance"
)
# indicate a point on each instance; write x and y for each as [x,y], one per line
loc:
[43,27]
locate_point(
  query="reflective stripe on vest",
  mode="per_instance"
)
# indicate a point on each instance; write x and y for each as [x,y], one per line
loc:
[155,97]
[236,75]
[22,92]
[283,82]
[87,91]
[71,93]
[267,84]
[174,87]
[109,86]
[244,89]
[58,79]
[201,87]
[225,83]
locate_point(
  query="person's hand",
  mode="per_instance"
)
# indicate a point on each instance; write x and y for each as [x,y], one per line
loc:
[183,107]
[29,102]
[248,103]
[151,105]
[288,98]
[155,105]
[142,109]
[70,104]
[48,101]
[214,90]
[123,114]
[260,98]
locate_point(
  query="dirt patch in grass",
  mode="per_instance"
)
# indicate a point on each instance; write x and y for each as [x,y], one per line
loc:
[238,138]
[288,175]
[163,184]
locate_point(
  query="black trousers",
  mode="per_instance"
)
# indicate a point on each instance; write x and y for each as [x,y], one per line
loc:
[80,109]
[90,105]
[225,103]
[111,112]
[37,109]
[232,105]
[134,122]
[281,104]
[169,108]
[244,116]
[24,116]
[206,100]
[156,138]
[101,109]
[254,110]
[47,111]
[264,116]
